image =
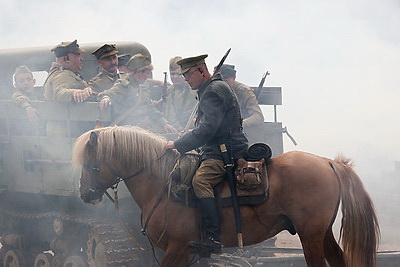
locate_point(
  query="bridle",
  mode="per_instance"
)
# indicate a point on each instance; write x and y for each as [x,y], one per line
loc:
[96,189]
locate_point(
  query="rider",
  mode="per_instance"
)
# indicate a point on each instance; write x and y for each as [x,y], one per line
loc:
[218,122]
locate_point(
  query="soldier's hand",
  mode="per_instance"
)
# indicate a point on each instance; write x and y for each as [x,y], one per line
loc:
[82,95]
[33,115]
[104,103]
[170,129]
[169,145]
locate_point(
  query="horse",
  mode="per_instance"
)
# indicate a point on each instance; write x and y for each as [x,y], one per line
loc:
[304,194]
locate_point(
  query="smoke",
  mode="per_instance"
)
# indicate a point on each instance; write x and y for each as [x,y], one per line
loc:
[336,61]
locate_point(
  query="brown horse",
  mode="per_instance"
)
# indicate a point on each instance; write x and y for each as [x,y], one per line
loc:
[304,195]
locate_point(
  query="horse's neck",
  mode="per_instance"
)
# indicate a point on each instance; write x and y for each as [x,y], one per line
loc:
[145,189]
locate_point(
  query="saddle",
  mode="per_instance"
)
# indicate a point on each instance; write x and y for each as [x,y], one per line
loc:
[250,173]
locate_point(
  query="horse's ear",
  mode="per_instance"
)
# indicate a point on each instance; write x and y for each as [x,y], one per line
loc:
[98,124]
[93,139]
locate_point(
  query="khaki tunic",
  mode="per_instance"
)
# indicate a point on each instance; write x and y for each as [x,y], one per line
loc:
[103,81]
[179,106]
[126,94]
[58,87]
[23,99]
[249,108]
[60,83]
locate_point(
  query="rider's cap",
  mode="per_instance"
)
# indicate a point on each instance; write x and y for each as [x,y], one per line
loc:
[190,62]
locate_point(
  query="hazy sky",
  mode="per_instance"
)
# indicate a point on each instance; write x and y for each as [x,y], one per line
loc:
[336,61]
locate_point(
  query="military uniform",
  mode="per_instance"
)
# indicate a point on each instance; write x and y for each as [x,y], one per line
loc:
[60,83]
[180,102]
[23,99]
[126,94]
[219,122]
[104,80]
[59,87]
[253,119]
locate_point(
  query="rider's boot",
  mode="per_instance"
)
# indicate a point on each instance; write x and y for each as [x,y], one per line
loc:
[211,243]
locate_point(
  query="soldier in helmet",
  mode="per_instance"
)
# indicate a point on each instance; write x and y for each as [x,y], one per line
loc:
[65,84]
[249,108]
[218,122]
[107,58]
[130,99]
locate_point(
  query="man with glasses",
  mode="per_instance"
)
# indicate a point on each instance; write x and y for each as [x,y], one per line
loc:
[130,99]
[218,122]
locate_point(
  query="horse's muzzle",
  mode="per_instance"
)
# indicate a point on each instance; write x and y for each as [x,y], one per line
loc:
[92,196]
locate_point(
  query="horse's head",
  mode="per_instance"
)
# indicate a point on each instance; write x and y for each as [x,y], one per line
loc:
[95,177]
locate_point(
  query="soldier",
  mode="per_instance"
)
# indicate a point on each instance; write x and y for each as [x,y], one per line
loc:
[107,58]
[122,62]
[251,112]
[64,84]
[218,122]
[181,100]
[23,93]
[130,99]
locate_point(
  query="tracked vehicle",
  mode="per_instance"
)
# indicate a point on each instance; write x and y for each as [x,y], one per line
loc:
[43,222]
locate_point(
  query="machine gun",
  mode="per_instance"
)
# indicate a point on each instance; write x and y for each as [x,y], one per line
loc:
[260,86]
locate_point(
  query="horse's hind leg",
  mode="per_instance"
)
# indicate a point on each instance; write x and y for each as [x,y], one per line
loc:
[333,252]
[313,252]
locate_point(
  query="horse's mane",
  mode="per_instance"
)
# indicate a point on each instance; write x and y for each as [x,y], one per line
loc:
[131,146]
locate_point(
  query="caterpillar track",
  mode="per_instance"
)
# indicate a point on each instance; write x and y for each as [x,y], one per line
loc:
[79,237]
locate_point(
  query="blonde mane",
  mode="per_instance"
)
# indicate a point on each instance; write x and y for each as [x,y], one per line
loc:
[133,147]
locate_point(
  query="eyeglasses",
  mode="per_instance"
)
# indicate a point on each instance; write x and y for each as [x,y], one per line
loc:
[186,75]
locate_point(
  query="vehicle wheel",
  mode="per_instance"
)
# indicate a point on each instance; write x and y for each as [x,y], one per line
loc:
[44,260]
[95,251]
[16,258]
[74,261]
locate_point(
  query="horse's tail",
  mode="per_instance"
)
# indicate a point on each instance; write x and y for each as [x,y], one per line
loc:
[359,232]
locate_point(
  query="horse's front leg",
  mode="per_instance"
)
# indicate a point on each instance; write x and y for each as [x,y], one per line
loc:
[177,254]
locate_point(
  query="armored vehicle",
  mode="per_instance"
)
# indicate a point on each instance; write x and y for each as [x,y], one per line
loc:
[43,222]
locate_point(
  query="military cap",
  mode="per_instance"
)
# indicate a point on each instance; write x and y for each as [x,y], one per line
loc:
[191,62]
[172,63]
[123,59]
[227,71]
[105,51]
[65,48]
[138,61]
[22,69]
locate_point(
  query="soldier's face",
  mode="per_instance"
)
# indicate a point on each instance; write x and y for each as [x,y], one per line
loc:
[24,82]
[141,75]
[75,61]
[109,63]
[176,77]
[193,77]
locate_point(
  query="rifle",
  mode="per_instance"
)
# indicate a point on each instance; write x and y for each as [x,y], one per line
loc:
[260,86]
[164,95]
[194,111]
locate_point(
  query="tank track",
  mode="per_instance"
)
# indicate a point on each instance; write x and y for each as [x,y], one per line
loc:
[119,248]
